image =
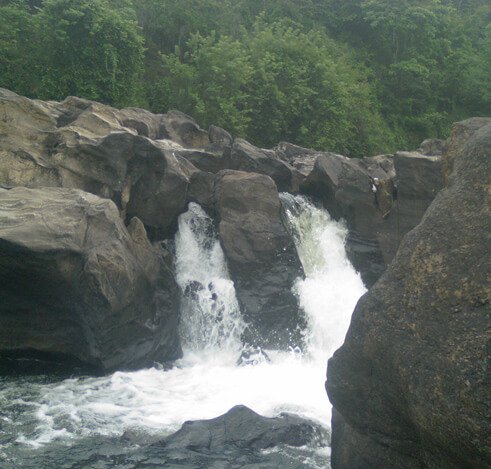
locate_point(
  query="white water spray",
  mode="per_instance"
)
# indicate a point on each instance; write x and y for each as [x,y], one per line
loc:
[207,382]
[210,320]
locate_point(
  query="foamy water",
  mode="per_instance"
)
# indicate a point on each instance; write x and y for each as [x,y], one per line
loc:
[207,382]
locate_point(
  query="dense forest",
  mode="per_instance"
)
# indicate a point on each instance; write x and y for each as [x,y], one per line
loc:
[354,76]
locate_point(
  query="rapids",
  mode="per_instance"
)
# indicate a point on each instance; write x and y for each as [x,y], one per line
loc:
[45,421]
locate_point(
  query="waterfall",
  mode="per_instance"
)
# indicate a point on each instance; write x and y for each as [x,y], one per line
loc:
[207,381]
[331,287]
[210,318]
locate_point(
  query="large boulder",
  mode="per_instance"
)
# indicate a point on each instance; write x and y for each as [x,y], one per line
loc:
[261,256]
[461,132]
[240,438]
[242,428]
[109,152]
[77,284]
[419,179]
[410,385]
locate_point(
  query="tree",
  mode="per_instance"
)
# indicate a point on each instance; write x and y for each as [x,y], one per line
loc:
[17,61]
[277,83]
[90,49]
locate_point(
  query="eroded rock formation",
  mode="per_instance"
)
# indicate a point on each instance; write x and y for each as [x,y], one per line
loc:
[261,256]
[77,283]
[410,385]
[151,166]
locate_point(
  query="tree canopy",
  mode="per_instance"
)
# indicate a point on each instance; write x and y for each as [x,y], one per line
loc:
[359,76]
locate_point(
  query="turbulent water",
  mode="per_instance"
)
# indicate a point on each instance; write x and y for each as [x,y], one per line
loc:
[46,422]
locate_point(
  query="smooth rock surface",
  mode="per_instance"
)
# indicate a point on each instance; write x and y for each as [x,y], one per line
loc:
[247,157]
[261,256]
[410,385]
[78,284]
[241,427]
[109,152]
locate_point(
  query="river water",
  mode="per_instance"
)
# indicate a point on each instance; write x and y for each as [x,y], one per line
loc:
[84,422]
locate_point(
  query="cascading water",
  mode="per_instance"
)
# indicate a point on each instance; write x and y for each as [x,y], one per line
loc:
[210,319]
[40,420]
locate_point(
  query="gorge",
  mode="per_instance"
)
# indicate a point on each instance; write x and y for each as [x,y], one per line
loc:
[155,273]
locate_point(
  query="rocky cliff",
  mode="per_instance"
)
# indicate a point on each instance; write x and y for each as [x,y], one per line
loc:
[410,385]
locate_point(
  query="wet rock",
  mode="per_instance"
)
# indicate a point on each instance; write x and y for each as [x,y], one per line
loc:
[252,356]
[77,284]
[381,198]
[242,428]
[261,256]
[202,189]
[410,384]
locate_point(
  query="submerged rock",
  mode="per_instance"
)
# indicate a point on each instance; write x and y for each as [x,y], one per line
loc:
[410,385]
[261,256]
[77,284]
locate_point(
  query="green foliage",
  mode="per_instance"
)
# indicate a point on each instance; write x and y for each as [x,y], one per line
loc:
[426,55]
[90,49]
[16,40]
[277,83]
[354,76]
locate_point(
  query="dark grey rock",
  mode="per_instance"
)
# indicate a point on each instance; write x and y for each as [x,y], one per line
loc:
[345,186]
[241,428]
[261,256]
[247,157]
[220,137]
[432,147]
[183,129]
[206,161]
[411,382]
[461,132]
[419,179]
[76,283]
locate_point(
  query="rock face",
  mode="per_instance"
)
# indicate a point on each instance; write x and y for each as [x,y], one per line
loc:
[247,157]
[461,131]
[76,283]
[419,178]
[410,385]
[345,188]
[261,256]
